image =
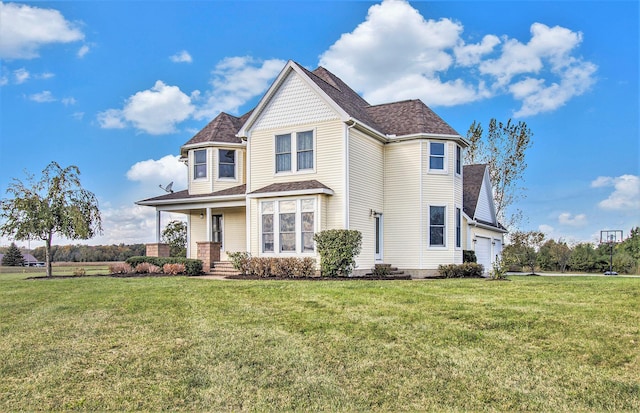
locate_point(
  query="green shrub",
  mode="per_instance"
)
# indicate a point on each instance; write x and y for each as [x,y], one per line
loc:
[192,267]
[240,261]
[338,249]
[499,270]
[464,270]
[383,270]
[469,256]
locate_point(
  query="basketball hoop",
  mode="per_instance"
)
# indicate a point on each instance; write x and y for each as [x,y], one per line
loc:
[611,237]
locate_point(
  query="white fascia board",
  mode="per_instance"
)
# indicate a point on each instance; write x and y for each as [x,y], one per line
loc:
[474,223]
[221,204]
[212,144]
[194,201]
[458,138]
[362,127]
[315,191]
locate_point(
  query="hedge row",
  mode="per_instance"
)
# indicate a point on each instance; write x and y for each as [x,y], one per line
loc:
[265,267]
[464,270]
[192,267]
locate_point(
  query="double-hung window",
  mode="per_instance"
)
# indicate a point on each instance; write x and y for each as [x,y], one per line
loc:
[458,160]
[294,154]
[226,164]
[436,156]
[200,164]
[437,226]
[283,153]
[288,226]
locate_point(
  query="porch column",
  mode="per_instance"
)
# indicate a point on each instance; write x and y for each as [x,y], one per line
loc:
[208,224]
[158,231]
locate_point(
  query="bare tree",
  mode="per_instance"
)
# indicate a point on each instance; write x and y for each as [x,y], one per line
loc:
[503,149]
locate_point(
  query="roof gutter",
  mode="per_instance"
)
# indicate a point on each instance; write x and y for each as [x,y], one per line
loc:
[220,198]
[352,122]
[475,223]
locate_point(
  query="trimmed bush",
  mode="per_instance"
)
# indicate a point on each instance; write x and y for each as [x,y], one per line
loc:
[338,249]
[120,268]
[469,256]
[306,267]
[464,270]
[174,269]
[240,261]
[192,267]
[147,268]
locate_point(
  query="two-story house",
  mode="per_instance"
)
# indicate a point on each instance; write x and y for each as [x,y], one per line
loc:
[314,155]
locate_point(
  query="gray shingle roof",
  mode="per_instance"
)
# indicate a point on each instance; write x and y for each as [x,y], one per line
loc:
[397,118]
[222,128]
[291,186]
[236,190]
[471,185]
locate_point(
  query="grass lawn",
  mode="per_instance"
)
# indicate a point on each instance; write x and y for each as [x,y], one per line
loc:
[532,344]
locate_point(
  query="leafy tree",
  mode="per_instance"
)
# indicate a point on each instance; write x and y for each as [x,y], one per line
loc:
[583,258]
[554,256]
[503,149]
[54,204]
[13,257]
[523,248]
[175,234]
[631,246]
[338,249]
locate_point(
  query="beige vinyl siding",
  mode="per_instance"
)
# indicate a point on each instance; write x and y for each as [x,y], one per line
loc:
[197,231]
[483,208]
[402,204]
[440,190]
[328,169]
[234,233]
[203,185]
[366,192]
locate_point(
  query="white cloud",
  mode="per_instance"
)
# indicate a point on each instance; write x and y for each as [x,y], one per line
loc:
[25,29]
[21,75]
[68,101]
[237,80]
[548,230]
[4,80]
[626,194]
[181,57]
[569,219]
[155,111]
[43,97]
[84,49]
[159,172]
[45,75]
[397,54]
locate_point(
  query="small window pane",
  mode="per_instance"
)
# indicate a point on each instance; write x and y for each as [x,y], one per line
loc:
[436,163]
[305,160]
[307,241]
[267,223]
[267,242]
[283,153]
[201,156]
[305,141]
[267,207]
[437,148]
[287,206]
[308,204]
[201,171]
[283,162]
[437,215]
[287,222]
[288,242]
[227,171]
[283,143]
[307,222]
[437,236]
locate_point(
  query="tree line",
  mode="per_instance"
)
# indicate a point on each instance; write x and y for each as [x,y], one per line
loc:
[529,250]
[90,253]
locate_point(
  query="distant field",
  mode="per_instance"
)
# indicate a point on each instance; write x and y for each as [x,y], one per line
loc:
[61,268]
[187,344]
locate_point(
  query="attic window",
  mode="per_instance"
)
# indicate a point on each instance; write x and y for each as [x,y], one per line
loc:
[200,164]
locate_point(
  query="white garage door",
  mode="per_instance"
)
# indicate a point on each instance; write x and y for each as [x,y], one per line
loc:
[483,253]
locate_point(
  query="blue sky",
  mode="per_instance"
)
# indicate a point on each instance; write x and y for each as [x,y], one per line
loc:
[116,87]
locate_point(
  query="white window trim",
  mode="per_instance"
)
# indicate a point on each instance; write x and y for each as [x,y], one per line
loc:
[207,161]
[276,227]
[444,232]
[445,161]
[235,171]
[294,152]
[222,231]
[457,213]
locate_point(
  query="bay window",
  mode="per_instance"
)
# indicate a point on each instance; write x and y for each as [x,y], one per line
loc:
[288,226]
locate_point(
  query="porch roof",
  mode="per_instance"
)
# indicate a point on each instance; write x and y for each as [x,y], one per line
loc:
[236,192]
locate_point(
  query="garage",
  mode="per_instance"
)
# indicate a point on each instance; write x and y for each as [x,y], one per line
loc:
[483,253]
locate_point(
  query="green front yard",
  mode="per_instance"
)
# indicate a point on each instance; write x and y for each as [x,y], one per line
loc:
[178,343]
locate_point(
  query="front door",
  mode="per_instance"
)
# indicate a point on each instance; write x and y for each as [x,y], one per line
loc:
[216,228]
[378,249]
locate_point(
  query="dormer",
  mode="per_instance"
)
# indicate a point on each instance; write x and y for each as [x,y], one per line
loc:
[215,156]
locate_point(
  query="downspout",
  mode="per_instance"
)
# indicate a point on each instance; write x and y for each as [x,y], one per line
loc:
[346,173]
[421,231]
